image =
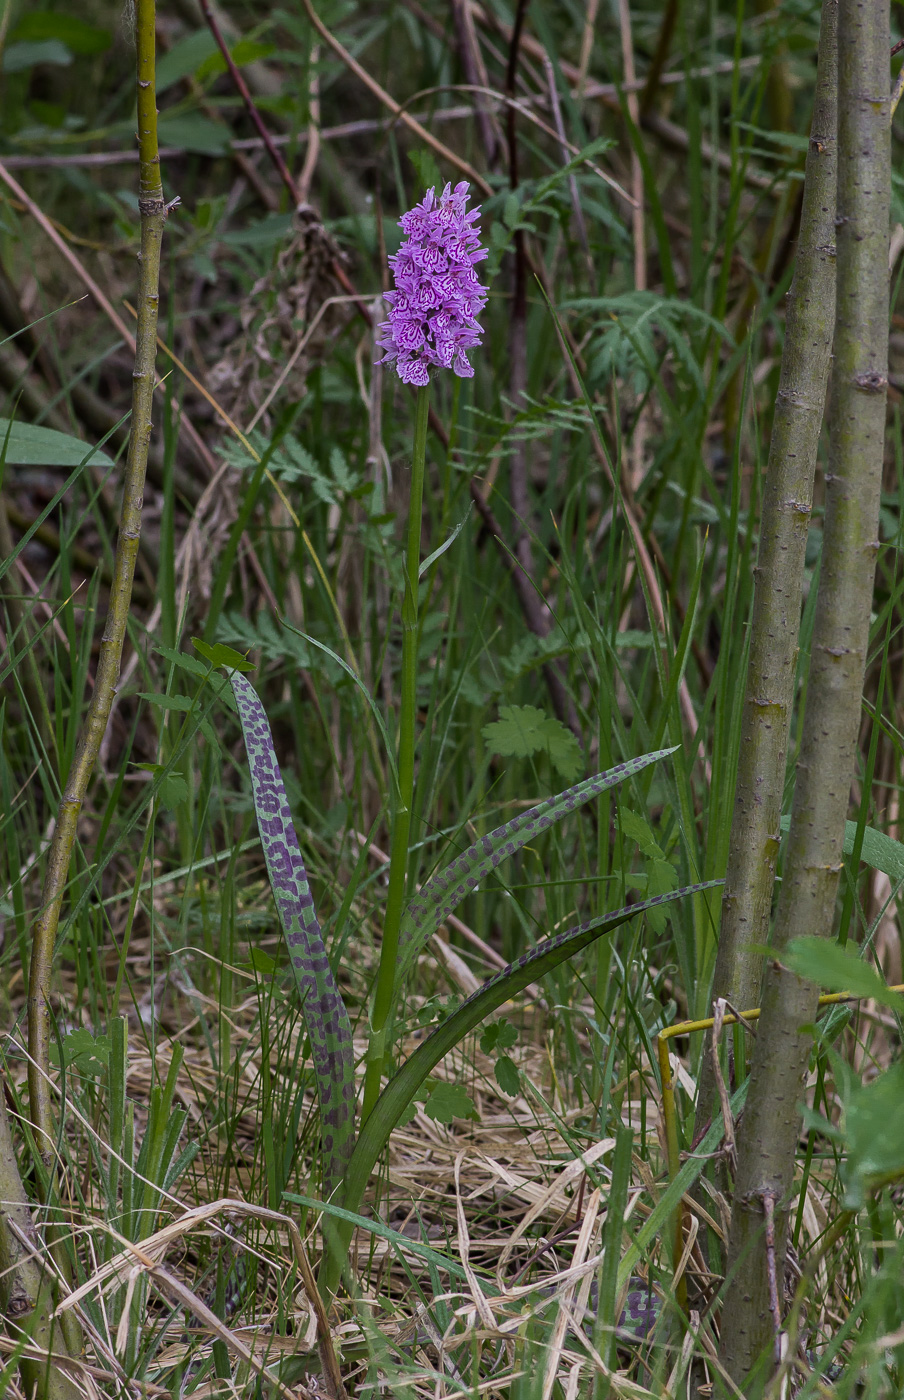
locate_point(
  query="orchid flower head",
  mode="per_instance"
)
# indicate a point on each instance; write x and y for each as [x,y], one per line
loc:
[437,297]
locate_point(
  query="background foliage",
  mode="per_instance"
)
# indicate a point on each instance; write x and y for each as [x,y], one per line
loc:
[272,524]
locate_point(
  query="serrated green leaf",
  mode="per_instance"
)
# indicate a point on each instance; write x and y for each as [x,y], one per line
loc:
[82,1051]
[499,1035]
[661,876]
[183,661]
[210,734]
[837,969]
[508,1076]
[173,791]
[222,655]
[166,702]
[448,1101]
[638,829]
[262,962]
[523,730]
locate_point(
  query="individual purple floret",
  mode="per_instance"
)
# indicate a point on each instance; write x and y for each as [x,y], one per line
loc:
[437,297]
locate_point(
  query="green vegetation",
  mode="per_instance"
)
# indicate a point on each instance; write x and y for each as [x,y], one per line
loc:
[332,976]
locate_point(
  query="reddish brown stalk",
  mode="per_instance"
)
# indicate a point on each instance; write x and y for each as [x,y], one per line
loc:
[271,147]
[242,88]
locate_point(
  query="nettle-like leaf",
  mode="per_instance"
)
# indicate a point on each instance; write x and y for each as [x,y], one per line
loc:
[325,1015]
[447,1102]
[523,730]
[443,892]
[402,1089]
[508,1076]
[82,1051]
[659,874]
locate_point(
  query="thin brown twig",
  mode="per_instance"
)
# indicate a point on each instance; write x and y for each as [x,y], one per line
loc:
[242,87]
[395,107]
[476,74]
[769,1199]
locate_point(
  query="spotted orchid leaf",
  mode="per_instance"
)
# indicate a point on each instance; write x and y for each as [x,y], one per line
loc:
[405,1083]
[443,892]
[325,1015]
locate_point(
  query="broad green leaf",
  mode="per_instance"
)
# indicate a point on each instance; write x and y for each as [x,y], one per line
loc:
[661,876]
[67,28]
[194,133]
[222,655]
[325,1016]
[424,162]
[874,1133]
[271,231]
[242,52]
[524,730]
[262,962]
[18,58]
[838,969]
[30,445]
[879,851]
[186,56]
[443,892]
[402,1088]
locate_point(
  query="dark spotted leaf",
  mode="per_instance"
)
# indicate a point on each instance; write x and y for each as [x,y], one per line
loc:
[444,891]
[325,1015]
[405,1083]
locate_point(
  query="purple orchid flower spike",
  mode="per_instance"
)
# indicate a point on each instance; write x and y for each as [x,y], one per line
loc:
[437,297]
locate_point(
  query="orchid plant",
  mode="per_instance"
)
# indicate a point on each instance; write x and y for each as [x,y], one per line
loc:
[432,323]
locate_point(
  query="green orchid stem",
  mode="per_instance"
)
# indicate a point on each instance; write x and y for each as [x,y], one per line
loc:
[401,825]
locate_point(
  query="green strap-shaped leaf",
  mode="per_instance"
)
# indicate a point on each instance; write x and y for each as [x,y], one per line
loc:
[403,1086]
[325,1015]
[444,891]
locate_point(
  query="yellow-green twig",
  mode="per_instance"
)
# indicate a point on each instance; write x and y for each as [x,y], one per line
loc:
[153,212]
[669,1112]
